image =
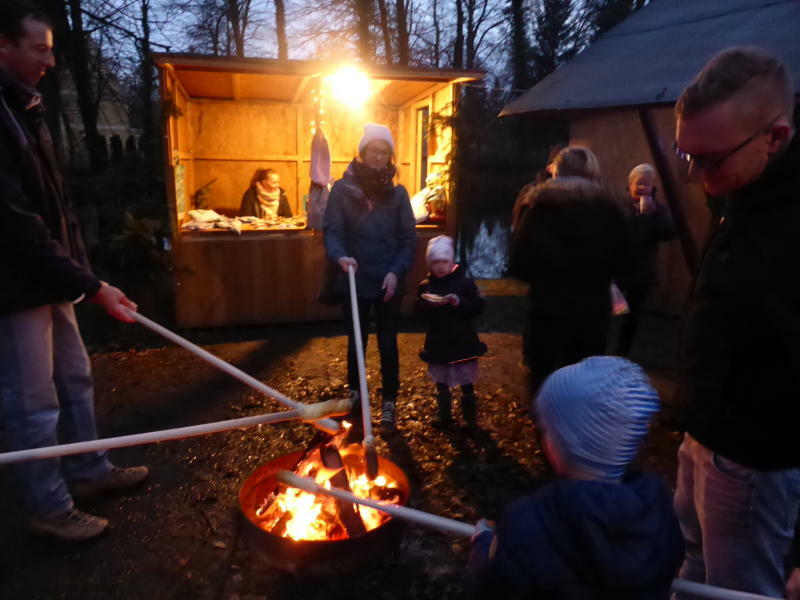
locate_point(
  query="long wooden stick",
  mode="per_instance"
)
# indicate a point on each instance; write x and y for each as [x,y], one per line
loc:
[326,425]
[699,590]
[370,455]
[409,514]
[305,412]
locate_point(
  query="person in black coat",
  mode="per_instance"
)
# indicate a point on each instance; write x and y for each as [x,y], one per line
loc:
[571,243]
[598,532]
[449,299]
[265,197]
[649,223]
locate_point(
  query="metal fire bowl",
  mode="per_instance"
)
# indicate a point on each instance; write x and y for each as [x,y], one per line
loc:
[315,557]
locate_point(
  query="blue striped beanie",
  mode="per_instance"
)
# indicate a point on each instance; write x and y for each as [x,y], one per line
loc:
[596,413]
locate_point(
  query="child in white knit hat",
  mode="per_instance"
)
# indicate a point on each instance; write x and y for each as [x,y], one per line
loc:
[449,299]
[597,532]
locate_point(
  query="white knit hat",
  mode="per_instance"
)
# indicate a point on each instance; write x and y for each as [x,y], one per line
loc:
[372,132]
[440,248]
[596,414]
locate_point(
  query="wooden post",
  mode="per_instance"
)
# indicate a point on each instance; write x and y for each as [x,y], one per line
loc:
[688,244]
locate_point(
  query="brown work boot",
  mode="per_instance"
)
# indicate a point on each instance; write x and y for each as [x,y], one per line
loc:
[116,480]
[71,526]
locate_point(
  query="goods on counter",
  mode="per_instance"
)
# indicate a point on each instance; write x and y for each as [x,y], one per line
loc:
[203,220]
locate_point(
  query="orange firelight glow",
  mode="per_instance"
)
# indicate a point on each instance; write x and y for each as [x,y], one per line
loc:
[299,515]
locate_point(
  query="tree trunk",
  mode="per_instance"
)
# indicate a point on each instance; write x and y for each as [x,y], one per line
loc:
[437,35]
[520,47]
[280,27]
[363,14]
[386,30]
[234,15]
[402,32]
[148,80]
[471,33]
[458,45]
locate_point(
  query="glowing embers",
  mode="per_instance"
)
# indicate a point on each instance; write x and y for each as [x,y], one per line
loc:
[292,513]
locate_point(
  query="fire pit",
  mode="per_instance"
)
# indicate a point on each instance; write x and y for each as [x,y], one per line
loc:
[293,530]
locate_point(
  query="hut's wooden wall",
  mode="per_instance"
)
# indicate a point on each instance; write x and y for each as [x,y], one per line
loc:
[619,141]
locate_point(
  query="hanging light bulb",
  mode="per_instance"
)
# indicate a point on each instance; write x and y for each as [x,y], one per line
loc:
[350,86]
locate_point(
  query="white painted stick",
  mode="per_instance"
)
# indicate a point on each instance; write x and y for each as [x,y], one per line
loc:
[698,590]
[304,412]
[326,425]
[366,417]
[712,592]
[402,512]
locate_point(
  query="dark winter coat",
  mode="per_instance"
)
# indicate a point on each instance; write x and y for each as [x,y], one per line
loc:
[582,540]
[252,208]
[570,244]
[645,231]
[379,232]
[451,334]
[44,260]
[740,375]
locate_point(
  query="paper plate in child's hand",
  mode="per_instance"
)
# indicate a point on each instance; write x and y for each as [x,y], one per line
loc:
[434,298]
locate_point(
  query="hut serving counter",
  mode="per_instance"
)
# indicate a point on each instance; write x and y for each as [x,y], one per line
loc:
[227,117]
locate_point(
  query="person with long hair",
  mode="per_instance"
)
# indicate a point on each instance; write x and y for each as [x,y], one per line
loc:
[570,244]
[265,197]
[370,226]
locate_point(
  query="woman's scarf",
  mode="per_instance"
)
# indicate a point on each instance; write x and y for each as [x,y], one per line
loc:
[374,182]
[268,201]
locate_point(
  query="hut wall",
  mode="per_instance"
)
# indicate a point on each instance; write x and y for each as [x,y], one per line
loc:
[620,144]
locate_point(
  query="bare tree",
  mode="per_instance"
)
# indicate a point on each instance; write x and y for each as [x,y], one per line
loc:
[520,46]
[386,30]
[401,10]
[363,13]
[280,28]
[458,43]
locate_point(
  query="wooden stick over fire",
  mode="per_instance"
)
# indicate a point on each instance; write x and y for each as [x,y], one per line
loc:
[698,590]
[370,455]
[327,425]
[310,412]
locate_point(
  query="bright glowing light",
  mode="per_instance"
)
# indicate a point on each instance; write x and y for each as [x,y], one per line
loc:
[350,86]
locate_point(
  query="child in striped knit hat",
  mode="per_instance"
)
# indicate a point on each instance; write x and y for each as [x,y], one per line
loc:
[599,531]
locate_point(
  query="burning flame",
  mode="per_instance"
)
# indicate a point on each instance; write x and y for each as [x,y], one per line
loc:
[299,515]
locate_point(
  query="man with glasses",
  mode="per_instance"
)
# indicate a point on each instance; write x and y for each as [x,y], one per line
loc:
[738,488]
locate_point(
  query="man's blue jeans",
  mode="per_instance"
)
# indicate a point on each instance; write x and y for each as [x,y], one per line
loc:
[47,397]
[738,523]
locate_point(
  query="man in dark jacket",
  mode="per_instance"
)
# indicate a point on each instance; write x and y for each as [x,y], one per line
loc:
[738,489]
[46,390]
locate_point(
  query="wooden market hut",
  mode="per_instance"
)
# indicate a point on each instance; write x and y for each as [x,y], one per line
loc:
[618,96]
[225,117]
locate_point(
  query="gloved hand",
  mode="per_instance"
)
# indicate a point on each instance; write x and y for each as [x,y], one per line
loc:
[483,526]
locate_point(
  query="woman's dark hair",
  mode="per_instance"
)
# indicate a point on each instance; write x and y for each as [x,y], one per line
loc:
[13,14]
[261,175]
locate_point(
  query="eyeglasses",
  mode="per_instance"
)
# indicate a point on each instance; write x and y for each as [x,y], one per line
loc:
[709,163]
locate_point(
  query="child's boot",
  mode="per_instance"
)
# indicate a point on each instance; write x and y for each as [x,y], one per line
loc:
[468,408]
[444,416]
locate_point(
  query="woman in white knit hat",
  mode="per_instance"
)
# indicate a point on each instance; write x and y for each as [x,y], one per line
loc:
[369,224]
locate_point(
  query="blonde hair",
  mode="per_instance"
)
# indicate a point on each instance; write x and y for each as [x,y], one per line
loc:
[643,169]
[577,161]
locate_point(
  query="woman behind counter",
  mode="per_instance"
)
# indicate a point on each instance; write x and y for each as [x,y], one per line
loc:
[369,224]
[265,197]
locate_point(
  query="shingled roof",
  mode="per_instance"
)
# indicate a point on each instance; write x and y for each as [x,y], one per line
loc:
[650,57]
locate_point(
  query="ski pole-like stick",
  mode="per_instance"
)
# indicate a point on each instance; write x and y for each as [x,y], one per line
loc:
[327,425]
[370,455]
[310,412]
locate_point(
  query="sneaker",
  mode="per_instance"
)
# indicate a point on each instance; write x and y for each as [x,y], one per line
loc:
[116,480]
[71,526]
[388,424]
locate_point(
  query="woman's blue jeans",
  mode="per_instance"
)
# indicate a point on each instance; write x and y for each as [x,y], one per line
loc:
[738,523]
[46,398]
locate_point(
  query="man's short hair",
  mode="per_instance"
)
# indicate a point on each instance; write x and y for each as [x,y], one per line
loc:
[729,73]
[13,14]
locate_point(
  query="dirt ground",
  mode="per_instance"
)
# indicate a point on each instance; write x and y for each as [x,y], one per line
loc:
[177,536]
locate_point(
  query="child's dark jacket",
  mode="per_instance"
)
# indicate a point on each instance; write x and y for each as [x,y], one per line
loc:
[451,335]
[583,539]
